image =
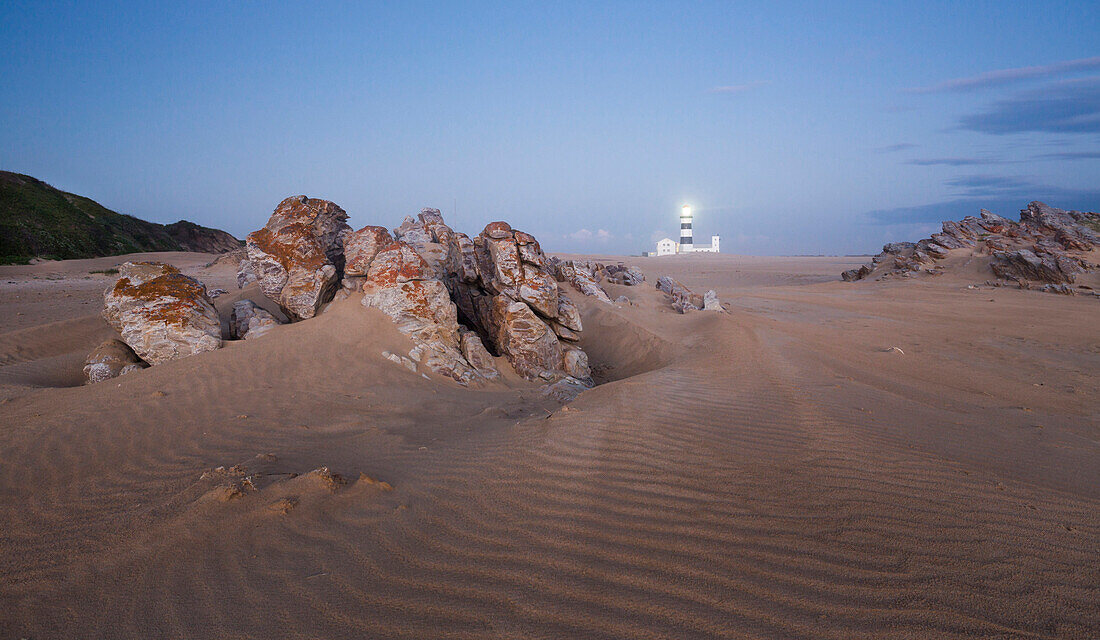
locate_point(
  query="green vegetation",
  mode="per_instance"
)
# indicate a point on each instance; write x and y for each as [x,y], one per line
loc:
[37,220]
[108,272]
[1092,223]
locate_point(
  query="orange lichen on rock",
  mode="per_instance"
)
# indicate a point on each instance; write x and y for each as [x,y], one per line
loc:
[292,245]
[173,296]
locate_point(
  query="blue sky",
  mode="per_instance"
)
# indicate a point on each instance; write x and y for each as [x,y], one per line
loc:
[790,127]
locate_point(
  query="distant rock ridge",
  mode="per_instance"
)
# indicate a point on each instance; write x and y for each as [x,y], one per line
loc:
[37,220]
[1048,246]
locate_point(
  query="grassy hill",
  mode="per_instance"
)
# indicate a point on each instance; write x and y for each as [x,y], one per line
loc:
[37,220]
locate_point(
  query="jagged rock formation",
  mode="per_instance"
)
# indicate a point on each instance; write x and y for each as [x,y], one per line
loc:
[427,278]
[111,359]
[360,247]
[502,285]
[622,274]
[161,313]
[298,256]
[1044,246]
[683,299]
[583,275]
[248,320]
[402,285]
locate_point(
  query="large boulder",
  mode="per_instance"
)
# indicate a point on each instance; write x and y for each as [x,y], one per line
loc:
[161,313]
[502,284]
[298,256]
[111,359]
[404,287]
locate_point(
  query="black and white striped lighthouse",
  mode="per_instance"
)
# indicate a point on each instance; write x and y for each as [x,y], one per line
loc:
[686,242]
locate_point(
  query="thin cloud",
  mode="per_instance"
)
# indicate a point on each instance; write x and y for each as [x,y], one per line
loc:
[954,162]
[1067,106]
[1072,155]
[1006,203]
[737,88]
[584,235]
[990,185]
[1007,76]
[891,148]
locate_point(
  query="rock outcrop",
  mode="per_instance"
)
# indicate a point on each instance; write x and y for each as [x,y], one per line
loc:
[111,359]
[249,321]
[428,278]
[624,275]
[502,284]
[299,255]
[161,313]
[1047,245]
[403,286]
[683,299]
[584,276]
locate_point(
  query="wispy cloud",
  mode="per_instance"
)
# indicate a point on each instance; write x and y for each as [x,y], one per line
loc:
[990,185]
[737,88]
[584,235]
[954,162]
[1067,106]
[891,148]
[1072,155]
[1006,76]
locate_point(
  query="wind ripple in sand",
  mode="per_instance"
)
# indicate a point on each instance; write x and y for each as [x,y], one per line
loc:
[755,485]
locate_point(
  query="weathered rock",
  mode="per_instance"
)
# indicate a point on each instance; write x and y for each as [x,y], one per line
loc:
[477,355]
[683,299]
[1038,247]
[711,302]
[298,256]
[404,287]
[897,248]
[530,345]
[111,359]
[575,362]
[1027,265]
[936,250]
[161,313]
[249,321]
[361,246]
[401,360]
[245,274]
[1060,289]
[859,273]
[629,276]
[501,286]
[582,278]
[567,389]
[430,237]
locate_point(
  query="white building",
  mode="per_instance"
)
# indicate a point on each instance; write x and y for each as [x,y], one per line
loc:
[666,247]
[702,248]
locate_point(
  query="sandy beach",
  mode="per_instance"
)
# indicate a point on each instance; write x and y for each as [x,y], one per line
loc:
[895,459]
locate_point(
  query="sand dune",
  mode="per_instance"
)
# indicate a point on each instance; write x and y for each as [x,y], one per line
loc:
[776,471]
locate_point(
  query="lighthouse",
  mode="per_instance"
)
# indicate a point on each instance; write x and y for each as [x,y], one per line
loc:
[686,243]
